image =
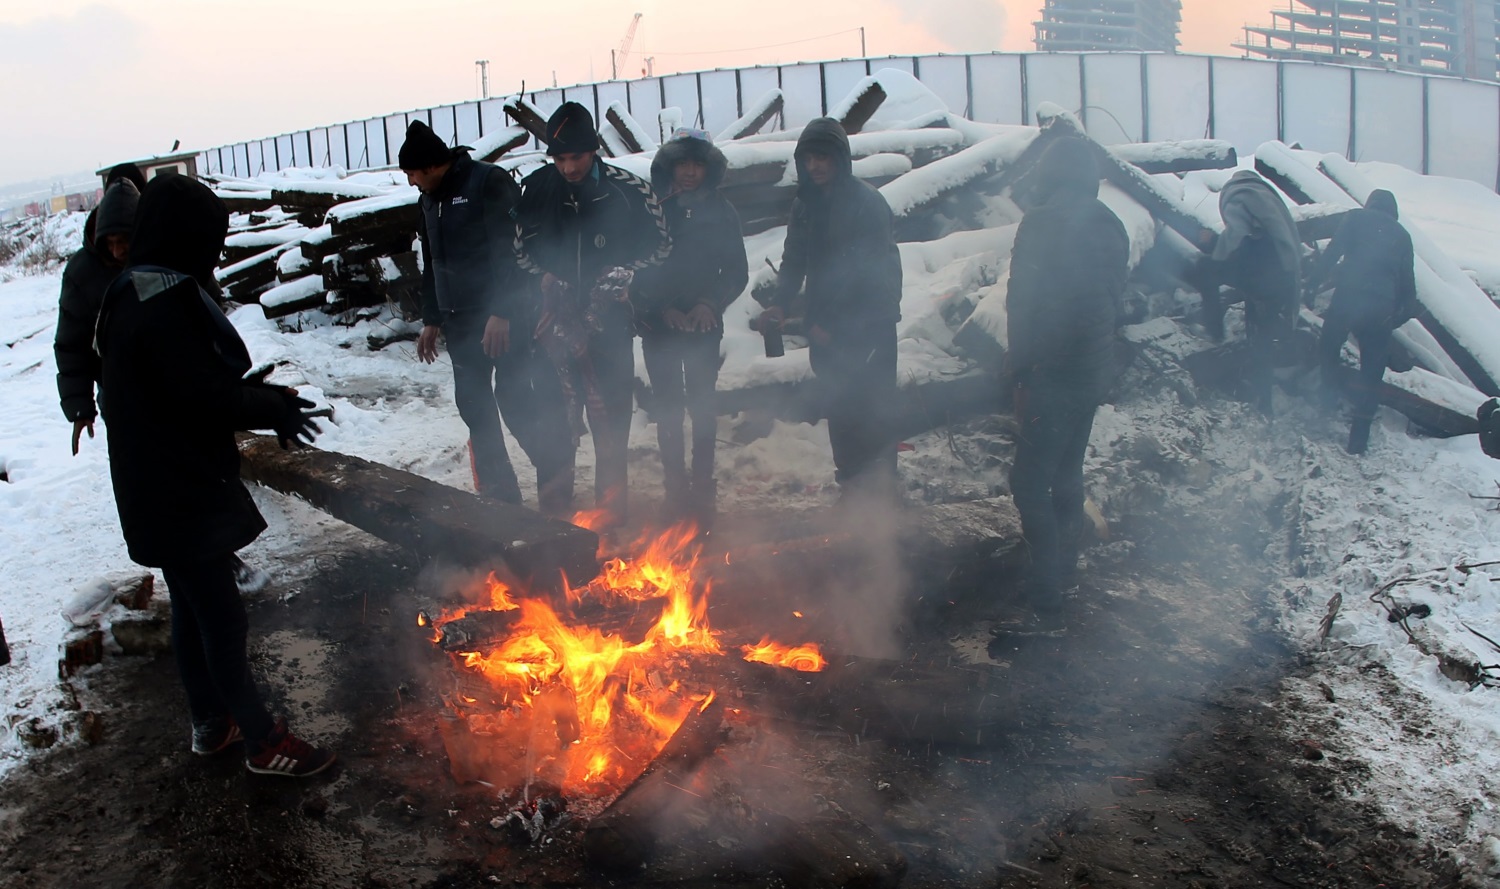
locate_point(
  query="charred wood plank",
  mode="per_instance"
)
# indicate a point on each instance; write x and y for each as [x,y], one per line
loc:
[428,518]
[624,836]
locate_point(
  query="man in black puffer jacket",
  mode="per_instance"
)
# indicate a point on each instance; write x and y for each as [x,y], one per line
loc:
[173,394]
[841,244]
[473,294]
[583,229]
[106,244]
[680,308]
[1374,268]
[1068,267]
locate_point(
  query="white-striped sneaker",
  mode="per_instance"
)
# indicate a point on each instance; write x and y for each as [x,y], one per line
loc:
[283,753]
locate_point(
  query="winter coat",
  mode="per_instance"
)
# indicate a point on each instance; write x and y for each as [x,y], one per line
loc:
[1068,268]
[467,230]
[85,278]
[578,232]
[707,264]
[840,242]
[1260,247]
[172,388]
[1375,283]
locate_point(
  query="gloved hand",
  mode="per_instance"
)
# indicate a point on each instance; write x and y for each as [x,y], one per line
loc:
[295,425]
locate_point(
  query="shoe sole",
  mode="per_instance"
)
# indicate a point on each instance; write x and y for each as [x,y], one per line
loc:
[288,774]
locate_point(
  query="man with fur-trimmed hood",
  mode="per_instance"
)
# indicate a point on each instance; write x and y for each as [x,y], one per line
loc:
[1373,265]
[1068,267]
[583,229]
[680,310]
[841,254]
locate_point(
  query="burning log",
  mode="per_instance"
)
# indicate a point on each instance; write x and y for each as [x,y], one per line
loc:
[830,853]
[624,836]
[755,117]
[428,518]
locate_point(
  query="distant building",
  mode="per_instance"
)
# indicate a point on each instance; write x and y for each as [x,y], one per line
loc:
[181,163]
[1454,36]
[1104,25]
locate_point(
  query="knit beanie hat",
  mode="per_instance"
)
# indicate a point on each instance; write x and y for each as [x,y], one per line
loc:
[423,148]
[570,130]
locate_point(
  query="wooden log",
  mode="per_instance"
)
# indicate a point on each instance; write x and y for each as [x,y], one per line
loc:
[828,853]
[635,136]
[294,296]
[1300,181]
[1178,157]
[428,518]
[247,279]
[245,244]
[528,118]
[863,106]
[80,650]
[322,195]
[922,189]
[479,629]
[339,273]
[246,201]
[393,212]
[491,148]
[624,836]
[756,117]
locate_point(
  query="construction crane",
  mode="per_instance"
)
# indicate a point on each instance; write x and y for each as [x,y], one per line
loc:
[617,59]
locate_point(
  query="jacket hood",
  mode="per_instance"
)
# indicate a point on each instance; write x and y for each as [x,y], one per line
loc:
[127,171]
[824,135]
[180,224]
[1383,201]
[1067,166]
[687,148]
[116,212]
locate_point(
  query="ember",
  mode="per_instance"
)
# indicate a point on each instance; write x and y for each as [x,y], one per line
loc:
[584,693]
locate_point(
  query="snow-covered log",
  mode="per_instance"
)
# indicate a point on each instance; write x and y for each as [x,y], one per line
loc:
[492,147]
[320,194]
[292,265]
[1178,157]
[243,245]
[247,278]
[528,118]
[755,117]
[1459,315]
[1300,181]
[636,137]
[393,210]
[294,296]
[856,110]
[922,188]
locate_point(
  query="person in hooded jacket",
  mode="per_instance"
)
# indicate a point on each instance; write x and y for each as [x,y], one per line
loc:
[173,393]
[85,278]
[841,250]
[680,309]
[584,228]
[473,295]
[1373,266]
[1068,269]
[1259,255]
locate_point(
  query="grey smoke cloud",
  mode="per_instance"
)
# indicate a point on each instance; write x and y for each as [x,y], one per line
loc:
[965,25]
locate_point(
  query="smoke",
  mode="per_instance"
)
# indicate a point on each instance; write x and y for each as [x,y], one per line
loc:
[965,25]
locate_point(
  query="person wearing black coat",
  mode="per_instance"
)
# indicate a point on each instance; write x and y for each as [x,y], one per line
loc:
[1068,268]
[173,394]
[1373,266]
[680,310]
[584,228]
[841,250]
[472,293]
[85,278]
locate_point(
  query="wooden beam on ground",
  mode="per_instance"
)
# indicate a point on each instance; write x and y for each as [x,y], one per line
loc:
[1178,157]
[430,519]
[756,117]
[624,836]
[863,107]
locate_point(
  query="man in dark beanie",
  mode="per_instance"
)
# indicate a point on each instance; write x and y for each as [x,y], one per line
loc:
[1373,265]
[85,278]
[680,309]
[473,294]
[1067,270]
[841,245]
[174,393]
[584,228]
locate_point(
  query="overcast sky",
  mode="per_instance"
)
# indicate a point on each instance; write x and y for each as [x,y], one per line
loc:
[84,83]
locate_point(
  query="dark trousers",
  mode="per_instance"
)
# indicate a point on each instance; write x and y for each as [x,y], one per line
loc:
[1271,297]
[521,387]
[856,373]
[1046,481]
[208,638]
[1374,340]
[684,370]
[610,360]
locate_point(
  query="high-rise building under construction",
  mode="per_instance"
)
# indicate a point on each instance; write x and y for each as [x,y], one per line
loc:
[1456,36]
[1094,25]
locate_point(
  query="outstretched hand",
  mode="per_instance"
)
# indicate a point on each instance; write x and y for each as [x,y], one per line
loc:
[296,426]
[78,426]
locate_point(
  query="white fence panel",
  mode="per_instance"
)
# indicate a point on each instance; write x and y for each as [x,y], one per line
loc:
[1388,118]
[721,99]
[1177,98]
[803,87]
[1315,107]
[1113,98]
[1052,77]
[948,76]
[1463,140]
[1245,105]
[997,88]
[839,80]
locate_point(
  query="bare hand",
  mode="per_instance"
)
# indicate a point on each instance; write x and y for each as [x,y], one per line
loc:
[819,335]
[496,337]
[427,344]
[551,283]
[702,319]
[675,319]
[78,427]
[772,319]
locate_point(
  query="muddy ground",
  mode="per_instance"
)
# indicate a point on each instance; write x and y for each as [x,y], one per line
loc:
[1146,747]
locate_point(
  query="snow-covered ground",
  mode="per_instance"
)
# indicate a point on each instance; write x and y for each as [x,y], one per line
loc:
[1406,509]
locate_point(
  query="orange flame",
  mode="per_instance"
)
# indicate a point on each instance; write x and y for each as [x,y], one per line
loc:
[804,658]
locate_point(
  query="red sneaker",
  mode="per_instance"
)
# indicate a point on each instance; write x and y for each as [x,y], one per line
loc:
[283,753]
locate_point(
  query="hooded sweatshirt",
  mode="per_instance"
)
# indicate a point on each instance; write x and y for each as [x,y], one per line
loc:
[840,242]
[707,264]
[1067,270]
[172,388]
[1373,265]
[1260,239]
[85,279]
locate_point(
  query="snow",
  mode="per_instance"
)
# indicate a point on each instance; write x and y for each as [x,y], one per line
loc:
[401,197]
[752,111]
[906,99]
[266,238]
[1165,152]
[924,185]
[292,291]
